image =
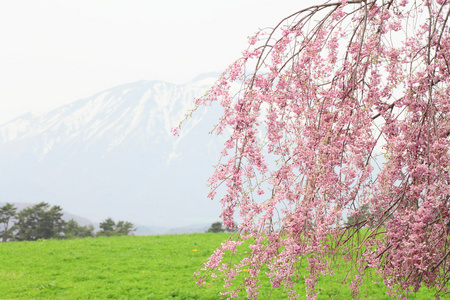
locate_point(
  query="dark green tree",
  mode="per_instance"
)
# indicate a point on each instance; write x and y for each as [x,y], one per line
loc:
[110,228]
[73,230]
[7,213]
[39,222]
[124,228]
[218,227]
[107,228]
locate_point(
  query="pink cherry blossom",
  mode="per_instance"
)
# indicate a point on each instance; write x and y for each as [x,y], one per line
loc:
[338,148]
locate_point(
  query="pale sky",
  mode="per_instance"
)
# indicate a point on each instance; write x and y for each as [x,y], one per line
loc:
[54,52]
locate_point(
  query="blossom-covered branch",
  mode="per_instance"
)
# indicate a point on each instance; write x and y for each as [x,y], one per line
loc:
[342,115]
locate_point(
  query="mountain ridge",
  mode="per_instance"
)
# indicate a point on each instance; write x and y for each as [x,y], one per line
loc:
[112,154]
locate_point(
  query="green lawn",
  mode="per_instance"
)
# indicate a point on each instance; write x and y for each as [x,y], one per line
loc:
[131,267]
[127,267]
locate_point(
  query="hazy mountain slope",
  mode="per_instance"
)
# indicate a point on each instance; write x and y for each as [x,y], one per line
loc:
[112,155]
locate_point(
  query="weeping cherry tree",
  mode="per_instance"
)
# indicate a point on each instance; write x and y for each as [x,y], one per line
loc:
[341,106]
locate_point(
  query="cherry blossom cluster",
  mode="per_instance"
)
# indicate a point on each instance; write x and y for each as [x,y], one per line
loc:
[338,149]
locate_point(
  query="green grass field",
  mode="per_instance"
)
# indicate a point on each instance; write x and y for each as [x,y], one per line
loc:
[131,267]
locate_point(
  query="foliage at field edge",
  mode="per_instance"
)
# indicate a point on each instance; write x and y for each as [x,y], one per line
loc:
[41,221]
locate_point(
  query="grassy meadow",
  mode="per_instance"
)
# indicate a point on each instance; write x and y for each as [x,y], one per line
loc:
[133,267]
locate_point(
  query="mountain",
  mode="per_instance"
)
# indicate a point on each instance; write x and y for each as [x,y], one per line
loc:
[189,229]
[112,155]
[144,230]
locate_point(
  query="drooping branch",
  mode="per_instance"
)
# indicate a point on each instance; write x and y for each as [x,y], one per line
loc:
[338,146]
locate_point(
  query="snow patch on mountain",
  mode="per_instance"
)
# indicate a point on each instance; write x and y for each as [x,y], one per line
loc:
[115,151]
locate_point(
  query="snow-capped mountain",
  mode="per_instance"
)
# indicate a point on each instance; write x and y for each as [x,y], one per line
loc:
[112,155]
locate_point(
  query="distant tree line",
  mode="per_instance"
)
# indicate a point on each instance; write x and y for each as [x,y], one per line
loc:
[41,221]
[218,227]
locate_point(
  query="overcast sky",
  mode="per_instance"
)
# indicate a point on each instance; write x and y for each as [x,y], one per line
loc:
[57,51]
